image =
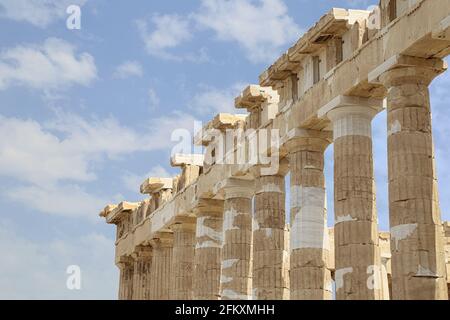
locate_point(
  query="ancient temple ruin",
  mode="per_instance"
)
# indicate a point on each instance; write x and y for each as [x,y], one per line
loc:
[219,230]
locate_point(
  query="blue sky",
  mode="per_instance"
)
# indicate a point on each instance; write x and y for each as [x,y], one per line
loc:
[86,115]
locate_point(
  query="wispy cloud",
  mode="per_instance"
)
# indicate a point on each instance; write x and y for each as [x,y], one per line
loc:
[40,13]
[51,65]
[36,269]
[53,162]
[165,33]
[128,69]
[69,200]
[261,28]
[153,98]
[210,100]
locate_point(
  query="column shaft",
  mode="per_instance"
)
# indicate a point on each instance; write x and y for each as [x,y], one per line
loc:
[121,267]
[161,267]
[128,280]
[237,247]
[141,272]
[310,275]
[208,250]
[183,259]
[146,278]
[270,275]
[136,294]
[357,254]
[418,262]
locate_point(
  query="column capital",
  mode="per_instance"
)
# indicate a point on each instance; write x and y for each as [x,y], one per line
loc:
[344,105]
[162,240]
[142,252]
[401,69]
[124,262]
[205,206]
[183,223]
[310,140]
[351,116]
[283,169]
[236,188]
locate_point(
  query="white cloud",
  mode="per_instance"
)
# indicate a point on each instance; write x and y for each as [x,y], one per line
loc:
[170,30]
[68,200]
[133,181]
[51,65]
[162,128]
[128,69]
[153,98]
[34,269]
[62,148]
[262,28]
[52,161]
[40,13]
[211,101]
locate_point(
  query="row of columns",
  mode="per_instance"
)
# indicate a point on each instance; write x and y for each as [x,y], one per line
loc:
[225,252]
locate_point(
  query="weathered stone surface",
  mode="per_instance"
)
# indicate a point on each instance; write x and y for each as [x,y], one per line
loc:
[352,60]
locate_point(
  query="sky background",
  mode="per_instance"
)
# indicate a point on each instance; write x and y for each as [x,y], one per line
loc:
[86,115]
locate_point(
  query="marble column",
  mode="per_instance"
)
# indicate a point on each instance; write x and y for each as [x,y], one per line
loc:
[121,266]
[126,267]
[236,276]
[418,262]
[161,268]
[310,275]
[141,272]
[270,274]
[208,249]
[357,252]
[183,258]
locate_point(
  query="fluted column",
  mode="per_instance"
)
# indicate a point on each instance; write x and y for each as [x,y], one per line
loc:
[126,279]
[357,253]
[208,249]
[161,266]
[121,266]
[418,263]
[236,275]
[141,273]
[136,294]
[310,275]
[270,274]
[183,258]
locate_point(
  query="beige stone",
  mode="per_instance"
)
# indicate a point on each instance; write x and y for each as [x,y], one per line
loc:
[349,60]
[208,249]
[417,243]
[183,259]
[310,268]
[236,270]
[161,268]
